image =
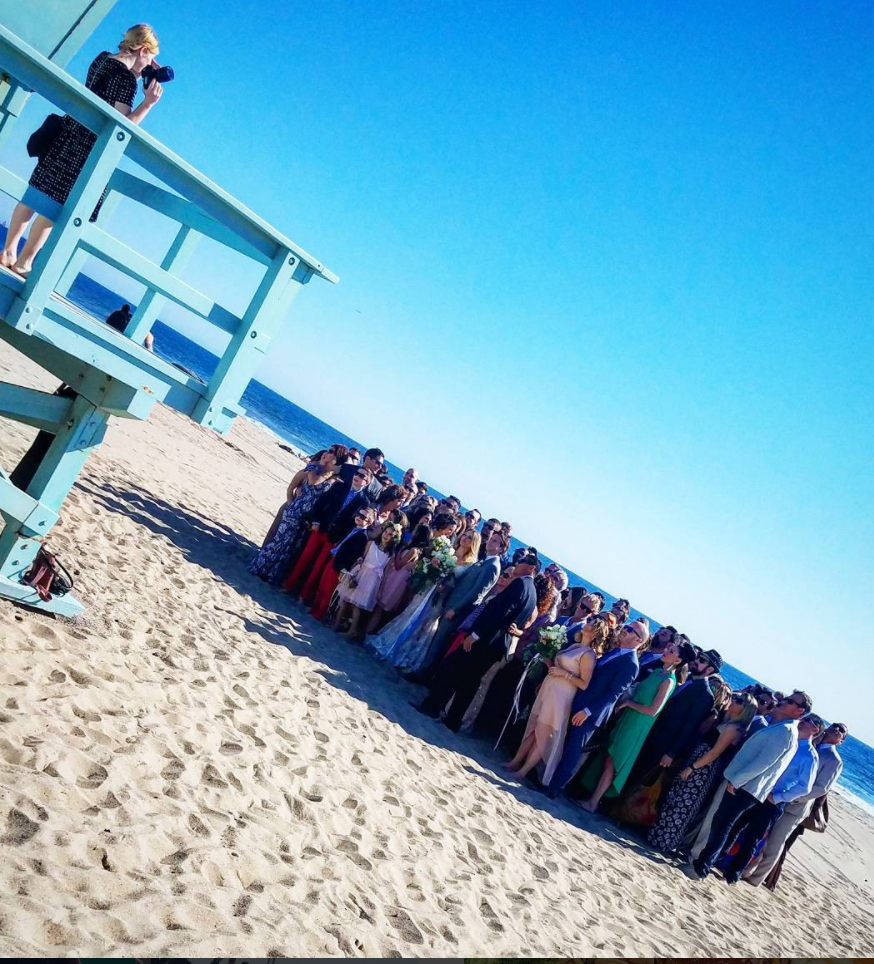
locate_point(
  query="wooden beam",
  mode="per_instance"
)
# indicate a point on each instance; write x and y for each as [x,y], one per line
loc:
[33,407]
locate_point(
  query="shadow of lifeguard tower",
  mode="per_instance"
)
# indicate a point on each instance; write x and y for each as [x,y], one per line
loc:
[110,373]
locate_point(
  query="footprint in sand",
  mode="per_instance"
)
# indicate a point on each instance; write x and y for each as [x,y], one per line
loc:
[94,778]
[230,749]
[19,828]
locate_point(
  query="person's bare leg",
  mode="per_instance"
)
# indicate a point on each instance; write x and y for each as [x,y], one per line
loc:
[149,341]
[535,755]
[18,222]
[375,621]
[36,238]
[352,632]
[604,782]
[340,615]
[522,752]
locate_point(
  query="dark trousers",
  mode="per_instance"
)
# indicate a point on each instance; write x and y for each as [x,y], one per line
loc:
[724,828]
[754,824]
[458,679]
[572,756]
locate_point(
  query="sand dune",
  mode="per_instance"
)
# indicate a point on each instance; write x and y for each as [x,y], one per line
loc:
[195,768]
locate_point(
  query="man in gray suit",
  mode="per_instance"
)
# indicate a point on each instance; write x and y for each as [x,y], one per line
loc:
[464,591]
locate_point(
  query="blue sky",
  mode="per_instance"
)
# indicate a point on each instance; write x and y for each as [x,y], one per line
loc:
[605,271]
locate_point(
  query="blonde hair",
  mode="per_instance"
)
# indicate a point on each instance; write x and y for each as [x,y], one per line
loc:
[472,552]
[601,639]
[139,35]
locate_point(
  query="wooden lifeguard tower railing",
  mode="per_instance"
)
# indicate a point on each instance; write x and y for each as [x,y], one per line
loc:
[111,373]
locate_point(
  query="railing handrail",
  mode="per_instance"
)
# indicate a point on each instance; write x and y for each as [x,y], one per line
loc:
[30,69]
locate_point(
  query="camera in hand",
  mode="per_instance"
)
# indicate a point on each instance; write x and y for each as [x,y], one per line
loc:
[162,74]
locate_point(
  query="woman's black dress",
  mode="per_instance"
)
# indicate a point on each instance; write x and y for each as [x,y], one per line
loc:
[56,173]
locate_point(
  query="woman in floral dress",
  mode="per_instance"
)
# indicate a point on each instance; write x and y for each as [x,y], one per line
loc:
[691,788]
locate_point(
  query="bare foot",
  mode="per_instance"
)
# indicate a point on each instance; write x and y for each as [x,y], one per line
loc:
[7,259]
[21,272]
[587,805]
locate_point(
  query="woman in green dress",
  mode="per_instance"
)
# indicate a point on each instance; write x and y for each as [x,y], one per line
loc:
[610,768]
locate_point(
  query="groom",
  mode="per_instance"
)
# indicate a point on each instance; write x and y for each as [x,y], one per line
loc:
[614,673]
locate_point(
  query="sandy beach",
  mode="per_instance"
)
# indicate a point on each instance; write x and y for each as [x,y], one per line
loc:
[195,768]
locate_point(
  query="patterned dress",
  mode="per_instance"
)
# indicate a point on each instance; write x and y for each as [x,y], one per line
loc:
[276,555]
[56,173]
[685,798]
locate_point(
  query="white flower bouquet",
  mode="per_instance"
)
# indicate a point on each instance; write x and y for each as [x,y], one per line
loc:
[436,562]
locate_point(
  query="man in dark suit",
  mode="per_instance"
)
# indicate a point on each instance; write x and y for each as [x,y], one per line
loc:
[675,731]
[374,461]
[614,673]
[460,673]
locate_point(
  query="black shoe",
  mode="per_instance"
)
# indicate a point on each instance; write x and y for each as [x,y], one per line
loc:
[451,725]
[698,867]
[732,878]
[425,709]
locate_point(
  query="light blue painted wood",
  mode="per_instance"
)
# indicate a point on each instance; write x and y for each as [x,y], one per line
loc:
[72,271]
[32,407]
[67,232]
[22,510]
[250,242]
[68,606]
[97,242]
[54,478]
[153,301]
[28,67]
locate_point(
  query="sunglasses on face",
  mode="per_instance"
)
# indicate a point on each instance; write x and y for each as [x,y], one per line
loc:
[737,699]
[634,632]
[800,706]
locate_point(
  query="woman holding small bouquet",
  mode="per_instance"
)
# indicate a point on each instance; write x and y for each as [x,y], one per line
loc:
[406,639]
[569,669]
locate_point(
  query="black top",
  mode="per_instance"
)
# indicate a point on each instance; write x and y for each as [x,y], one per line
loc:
[351,551]
[515,604]
[57,171]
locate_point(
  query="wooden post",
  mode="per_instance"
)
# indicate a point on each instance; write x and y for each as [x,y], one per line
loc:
[176,258]
[58,471]
[64,239]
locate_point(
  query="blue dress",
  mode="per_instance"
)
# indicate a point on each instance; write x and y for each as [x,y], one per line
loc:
[277,554]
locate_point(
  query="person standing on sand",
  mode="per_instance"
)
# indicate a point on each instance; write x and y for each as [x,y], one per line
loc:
[358,596]
[793,783]
[675,732]
[460,673]
[751,776]
[829,768]
[464,589]
[340,499]
[347,551]
[570,673]
[591,708]
[290,527]
[608,772]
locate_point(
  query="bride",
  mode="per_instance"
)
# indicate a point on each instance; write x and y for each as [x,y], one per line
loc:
[405,641]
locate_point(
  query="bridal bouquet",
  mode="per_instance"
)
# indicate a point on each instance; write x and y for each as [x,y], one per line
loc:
[436,562]
[550,641]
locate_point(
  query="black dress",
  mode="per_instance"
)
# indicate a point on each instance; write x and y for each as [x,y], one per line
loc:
[56,173]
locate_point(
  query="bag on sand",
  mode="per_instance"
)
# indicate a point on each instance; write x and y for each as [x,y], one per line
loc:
[40,141]
[48,576]
[641,805]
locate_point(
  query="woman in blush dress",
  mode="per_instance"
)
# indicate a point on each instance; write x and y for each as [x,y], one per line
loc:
[396,579]
[548,722]
[358,594]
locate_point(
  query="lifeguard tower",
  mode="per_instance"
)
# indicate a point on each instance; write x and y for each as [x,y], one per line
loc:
[111,373]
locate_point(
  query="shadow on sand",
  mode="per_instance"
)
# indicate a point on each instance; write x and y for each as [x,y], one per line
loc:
[224,552]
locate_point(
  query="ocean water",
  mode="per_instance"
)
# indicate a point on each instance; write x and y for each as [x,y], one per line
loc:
[306,432]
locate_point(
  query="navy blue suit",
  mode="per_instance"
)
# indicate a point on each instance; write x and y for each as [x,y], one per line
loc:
[609,681]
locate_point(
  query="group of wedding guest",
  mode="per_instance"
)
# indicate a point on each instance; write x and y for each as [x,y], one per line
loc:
[642,724]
